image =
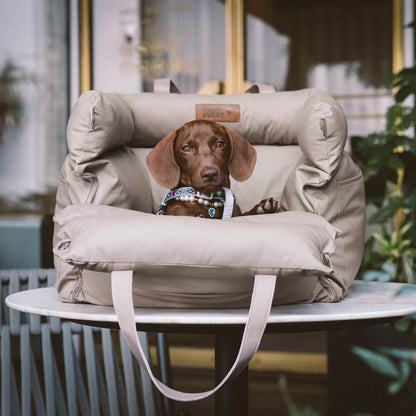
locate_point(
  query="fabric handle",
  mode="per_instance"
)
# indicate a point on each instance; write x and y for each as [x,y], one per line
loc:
[260,89]
[261,302]
[165,86]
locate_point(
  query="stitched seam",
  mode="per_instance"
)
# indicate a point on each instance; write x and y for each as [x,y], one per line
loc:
[325,134]
[77,285]
[65,183]
[141,263]
[324,129]
[94,187]
[312,201]
[350,180]
[340,233]
[91,124]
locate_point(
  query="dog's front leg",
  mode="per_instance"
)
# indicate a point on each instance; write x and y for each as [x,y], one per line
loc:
[267,206]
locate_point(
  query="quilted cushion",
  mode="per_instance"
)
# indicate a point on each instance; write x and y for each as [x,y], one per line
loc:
[293,245]
[129,240]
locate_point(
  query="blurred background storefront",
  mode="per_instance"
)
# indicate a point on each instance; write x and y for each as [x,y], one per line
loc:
[51,50]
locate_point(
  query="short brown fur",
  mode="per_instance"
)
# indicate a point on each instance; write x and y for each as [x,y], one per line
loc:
[203,154]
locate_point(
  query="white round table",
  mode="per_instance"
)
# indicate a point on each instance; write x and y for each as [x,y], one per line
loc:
[367,303]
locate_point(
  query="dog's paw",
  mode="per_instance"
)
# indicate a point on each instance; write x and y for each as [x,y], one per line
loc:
[268,206]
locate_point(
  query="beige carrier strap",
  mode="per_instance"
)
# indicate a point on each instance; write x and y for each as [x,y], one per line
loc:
[261,302]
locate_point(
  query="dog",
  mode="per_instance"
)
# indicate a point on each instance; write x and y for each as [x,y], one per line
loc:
[195,162]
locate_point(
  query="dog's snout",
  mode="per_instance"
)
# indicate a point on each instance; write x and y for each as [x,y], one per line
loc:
[209,174]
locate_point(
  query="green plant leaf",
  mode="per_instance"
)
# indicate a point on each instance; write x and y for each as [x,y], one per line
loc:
[405,243]
[408,260]
[383,241]
[377,362]
[401,353]
[405,228]
[395,386]
[406,77]
[387,212]
[402,325]
[403,93]
[376,276]
[389,268]
[405,290]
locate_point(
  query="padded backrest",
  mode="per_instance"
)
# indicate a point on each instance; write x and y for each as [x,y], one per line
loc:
[309,118]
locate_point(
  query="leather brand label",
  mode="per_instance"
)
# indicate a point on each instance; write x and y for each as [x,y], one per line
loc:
[218,112]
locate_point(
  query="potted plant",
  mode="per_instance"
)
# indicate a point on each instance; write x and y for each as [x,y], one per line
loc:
[388,160]
[379,363]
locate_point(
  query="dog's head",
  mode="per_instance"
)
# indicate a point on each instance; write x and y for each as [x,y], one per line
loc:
[201,154]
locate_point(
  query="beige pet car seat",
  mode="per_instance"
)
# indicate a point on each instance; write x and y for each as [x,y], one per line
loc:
[105,227]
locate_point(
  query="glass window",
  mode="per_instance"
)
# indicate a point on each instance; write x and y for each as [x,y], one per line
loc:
[33,100]
[179,39]
[341,46]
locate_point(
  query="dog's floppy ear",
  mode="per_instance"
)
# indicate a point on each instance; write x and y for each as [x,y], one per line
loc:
[243,157]
[162,164]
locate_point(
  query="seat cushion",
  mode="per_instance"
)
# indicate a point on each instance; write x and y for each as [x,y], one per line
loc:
[196,256]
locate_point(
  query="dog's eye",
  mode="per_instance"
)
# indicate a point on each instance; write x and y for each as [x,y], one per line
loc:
[186,148]
[219,144]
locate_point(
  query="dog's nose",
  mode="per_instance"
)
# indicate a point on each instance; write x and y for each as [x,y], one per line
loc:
[209,174]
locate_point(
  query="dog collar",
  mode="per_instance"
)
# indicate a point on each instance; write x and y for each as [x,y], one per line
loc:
[214,200]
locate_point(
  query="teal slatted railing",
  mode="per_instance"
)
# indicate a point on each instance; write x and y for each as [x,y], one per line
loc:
[54,367]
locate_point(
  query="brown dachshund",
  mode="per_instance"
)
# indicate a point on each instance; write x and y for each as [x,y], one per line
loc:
[195,161]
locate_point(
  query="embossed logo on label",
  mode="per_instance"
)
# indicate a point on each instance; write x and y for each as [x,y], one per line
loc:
[218,112]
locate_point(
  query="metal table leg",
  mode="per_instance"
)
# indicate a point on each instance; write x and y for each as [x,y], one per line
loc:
[165,371]
[231,399]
